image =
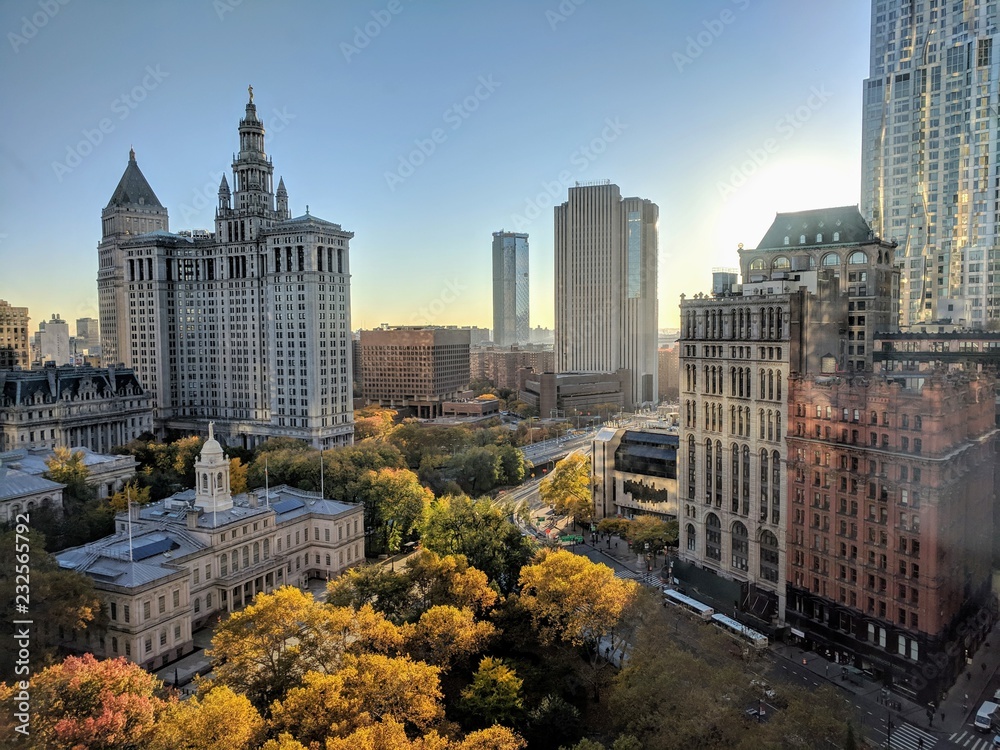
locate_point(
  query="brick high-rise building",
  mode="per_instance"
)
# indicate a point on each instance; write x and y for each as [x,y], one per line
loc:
[248,326]
[815,290]
[890,526]
[14,348]
[414,367]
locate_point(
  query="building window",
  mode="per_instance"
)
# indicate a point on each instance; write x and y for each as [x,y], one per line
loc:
[713,538]
[741,547]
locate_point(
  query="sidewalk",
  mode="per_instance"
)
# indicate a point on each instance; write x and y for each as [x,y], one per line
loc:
[949,717]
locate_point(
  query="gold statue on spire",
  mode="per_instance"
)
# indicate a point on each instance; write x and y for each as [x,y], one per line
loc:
[250,90]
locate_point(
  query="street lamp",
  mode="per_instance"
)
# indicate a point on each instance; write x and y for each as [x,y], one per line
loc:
[531,433]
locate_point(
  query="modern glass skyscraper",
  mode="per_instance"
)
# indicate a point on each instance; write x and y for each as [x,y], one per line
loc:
[605,278]
[930,152]
[510,288]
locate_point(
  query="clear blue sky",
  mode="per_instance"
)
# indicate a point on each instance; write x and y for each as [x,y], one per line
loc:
[723,112]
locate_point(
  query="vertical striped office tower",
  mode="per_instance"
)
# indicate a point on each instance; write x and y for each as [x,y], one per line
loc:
[605,285]
[510,288]
[930,149]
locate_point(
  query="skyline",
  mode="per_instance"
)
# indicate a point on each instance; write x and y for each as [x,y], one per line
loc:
[436,127]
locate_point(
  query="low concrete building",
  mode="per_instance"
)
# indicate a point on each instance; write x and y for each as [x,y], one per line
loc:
[478,407]
[551,393]
[107,473]
[21,492]
[173,566]
[635,472]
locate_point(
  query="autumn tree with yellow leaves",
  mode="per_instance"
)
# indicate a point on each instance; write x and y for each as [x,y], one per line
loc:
[567,488]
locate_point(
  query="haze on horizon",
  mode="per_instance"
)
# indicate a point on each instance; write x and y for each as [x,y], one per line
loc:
[423,128]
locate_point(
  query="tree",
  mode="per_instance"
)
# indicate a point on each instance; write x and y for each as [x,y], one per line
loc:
[553,722]
[68,467]
[221,720]
[617,526]
[494,696]
[437,580]
[237,476]
[476,470]
[366,690]
[98,705]
[445,636]
[394,503]
[492,738]
[571,599]
[131,492]
[647,529]
[61,601]
[481,532]
[187,450]
[387,591]
[567,488]
[373,423]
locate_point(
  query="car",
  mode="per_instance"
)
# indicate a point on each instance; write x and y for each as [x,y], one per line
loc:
[996,740]
[996,696]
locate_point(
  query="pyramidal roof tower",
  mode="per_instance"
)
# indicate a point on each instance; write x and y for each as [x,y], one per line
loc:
[133,209]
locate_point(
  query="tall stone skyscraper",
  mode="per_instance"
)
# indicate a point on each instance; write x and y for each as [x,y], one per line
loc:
[248,326]
[510,288]
[930,147]
[605,279]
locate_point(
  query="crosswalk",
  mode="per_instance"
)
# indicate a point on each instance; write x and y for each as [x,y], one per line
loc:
[649,579]
[972,740]
[908,737]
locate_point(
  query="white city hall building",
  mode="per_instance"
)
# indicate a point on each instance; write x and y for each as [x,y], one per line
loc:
[248,326]
[174,565]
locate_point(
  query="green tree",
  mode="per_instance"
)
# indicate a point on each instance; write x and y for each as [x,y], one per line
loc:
[481,532]
[494,695]
[567,488]
[389,592]
[61,601]
[394,503]
[477,470]
[647,529]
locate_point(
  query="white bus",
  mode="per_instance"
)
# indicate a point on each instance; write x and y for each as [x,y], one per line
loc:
[691,605]
[740,631]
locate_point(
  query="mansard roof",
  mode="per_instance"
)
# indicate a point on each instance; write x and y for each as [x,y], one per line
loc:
[133,190]
[48,384]
[788,228]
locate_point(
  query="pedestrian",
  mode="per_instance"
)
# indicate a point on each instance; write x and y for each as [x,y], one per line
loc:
[942,716]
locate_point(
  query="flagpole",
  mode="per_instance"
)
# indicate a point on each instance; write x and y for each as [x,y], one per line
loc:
[322,490]
[128,507]
[267,489]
